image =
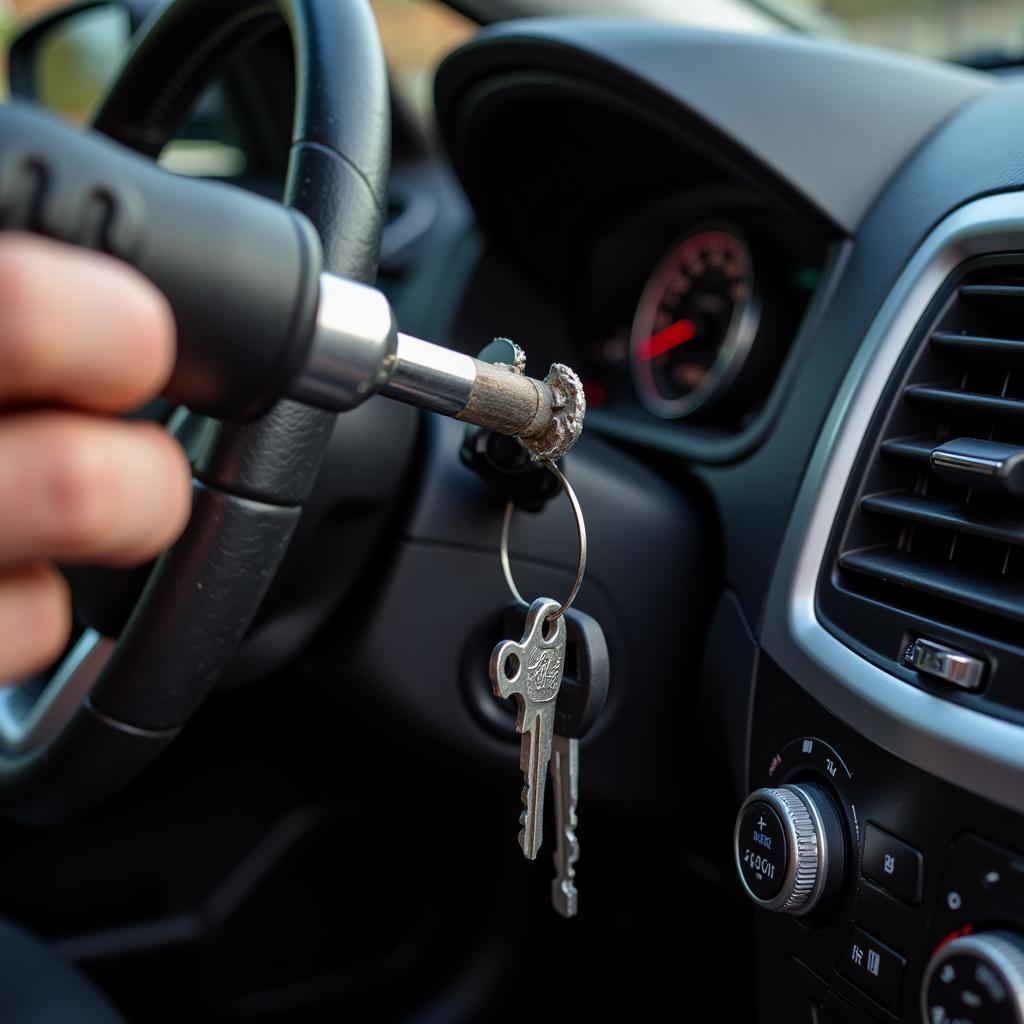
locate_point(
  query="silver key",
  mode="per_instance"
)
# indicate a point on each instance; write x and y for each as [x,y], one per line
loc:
[565,777]
[531,671]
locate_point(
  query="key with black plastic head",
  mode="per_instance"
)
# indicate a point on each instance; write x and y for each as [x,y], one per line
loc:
[581,698]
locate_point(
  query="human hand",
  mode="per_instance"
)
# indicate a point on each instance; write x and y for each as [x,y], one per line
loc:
[82,337]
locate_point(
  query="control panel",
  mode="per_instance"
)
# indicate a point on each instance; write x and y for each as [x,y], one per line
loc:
[886,894]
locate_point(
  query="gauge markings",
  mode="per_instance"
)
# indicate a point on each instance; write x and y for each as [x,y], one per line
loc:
[694,323]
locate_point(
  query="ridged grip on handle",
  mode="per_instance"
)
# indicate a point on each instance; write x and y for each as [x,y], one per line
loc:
[241,272]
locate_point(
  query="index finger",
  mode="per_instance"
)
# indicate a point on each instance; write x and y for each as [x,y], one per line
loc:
[79,328]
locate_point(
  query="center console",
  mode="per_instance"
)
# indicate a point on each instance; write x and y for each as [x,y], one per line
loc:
[892,895]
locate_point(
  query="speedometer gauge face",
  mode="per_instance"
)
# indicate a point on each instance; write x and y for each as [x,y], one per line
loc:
[695,322]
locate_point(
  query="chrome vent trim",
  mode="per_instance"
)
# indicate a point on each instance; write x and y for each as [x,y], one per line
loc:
[980,753]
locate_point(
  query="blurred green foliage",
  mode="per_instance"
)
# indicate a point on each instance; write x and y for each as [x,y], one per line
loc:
[8,26]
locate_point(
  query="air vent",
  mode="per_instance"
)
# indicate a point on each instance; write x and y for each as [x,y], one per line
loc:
[942,555]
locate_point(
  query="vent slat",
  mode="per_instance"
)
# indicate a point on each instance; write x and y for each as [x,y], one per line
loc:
[950,515]
[966,401]
[910,448]
[994,298]
[964,586]
[975,346]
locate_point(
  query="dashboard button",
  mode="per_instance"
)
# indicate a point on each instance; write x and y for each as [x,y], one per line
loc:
[893,864]
[874,968]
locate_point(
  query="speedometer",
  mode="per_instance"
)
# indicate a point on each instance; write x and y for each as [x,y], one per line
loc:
[695,323]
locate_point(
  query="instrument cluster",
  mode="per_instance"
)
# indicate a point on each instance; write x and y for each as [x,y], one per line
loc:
[692,306]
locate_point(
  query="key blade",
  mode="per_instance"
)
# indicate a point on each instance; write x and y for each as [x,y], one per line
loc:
[565,767]
[534,754]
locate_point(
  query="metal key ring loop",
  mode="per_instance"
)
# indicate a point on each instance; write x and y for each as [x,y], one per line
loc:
[581,532]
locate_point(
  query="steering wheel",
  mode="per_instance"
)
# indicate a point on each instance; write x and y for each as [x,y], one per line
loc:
[111,708]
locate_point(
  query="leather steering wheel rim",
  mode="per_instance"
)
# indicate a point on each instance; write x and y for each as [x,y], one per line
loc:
[126,701]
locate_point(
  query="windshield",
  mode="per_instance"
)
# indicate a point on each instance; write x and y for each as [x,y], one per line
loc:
[972,31]
[417,33]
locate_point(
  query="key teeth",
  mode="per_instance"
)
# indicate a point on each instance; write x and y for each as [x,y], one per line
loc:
[574,848]
[524,817]
[565,898]
[564,894]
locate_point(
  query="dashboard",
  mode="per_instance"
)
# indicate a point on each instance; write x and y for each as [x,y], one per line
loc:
[749,284]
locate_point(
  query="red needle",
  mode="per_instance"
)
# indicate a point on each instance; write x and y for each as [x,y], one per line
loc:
[665,340]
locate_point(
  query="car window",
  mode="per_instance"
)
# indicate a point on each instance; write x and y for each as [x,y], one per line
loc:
[416,35]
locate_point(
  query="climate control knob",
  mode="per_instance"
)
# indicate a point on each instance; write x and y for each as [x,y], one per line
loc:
[790,848]
[977,978]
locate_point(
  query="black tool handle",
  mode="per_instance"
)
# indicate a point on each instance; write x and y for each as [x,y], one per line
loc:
[240,271]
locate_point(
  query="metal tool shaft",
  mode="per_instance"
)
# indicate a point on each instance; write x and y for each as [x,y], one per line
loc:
[487,394]
[357,351]
[545,414]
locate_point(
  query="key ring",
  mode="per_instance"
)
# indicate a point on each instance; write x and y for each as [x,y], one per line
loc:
[581,532]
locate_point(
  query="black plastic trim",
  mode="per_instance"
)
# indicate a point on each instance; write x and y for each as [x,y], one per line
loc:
[952,515]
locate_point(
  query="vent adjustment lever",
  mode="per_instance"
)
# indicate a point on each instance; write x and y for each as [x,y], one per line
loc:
[971,462]
[945,663]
